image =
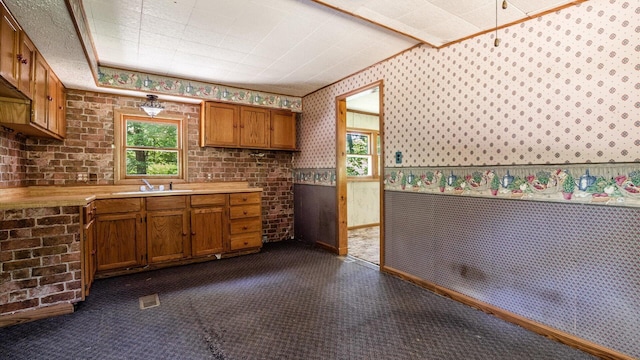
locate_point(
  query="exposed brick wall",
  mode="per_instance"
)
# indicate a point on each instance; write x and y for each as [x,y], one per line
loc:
[40,257]
[12,159]
[87,149]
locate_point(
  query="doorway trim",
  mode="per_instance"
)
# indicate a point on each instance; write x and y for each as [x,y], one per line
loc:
[341,167]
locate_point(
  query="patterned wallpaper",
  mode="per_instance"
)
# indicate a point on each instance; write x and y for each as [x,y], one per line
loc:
[562,88]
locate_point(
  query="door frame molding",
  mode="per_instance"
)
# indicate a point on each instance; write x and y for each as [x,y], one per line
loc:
[341,167]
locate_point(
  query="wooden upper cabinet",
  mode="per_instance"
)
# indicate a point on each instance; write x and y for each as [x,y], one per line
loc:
[26,56]
[219,125]
[52,102]
[235,126]
[254,127]
[9,38]
[283,130]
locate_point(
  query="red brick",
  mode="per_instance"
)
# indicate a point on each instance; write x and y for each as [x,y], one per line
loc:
[15,306]
[21,274]
[18,285]
[22,254]
[54,220]
[49,231]
[40,212]
[50,250]
[20,244]
[4,235]
[74,266]
[51,260]
[41,291]
[73,285]
[58,240]
[20,233]
[49,270]
[20,264]
[70,257]
[65,296]
[18,295]
[16,224]
[53,279]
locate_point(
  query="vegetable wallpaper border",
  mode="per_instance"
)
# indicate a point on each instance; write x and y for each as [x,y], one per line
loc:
[605,183]
[609,183]
[139,81]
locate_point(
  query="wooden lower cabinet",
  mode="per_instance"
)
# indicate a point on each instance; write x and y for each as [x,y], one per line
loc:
[135,232]
[120,241]
[120,234]
[208,224]
[167,228]
[245,217]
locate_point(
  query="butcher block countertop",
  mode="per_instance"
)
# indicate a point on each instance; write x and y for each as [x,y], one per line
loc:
[48,196]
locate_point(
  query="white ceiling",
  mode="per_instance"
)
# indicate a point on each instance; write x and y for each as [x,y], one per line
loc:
[290,47]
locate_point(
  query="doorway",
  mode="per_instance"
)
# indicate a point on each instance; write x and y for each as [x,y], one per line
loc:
[359,154]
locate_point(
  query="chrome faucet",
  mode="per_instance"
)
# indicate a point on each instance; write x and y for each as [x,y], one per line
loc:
[151,188]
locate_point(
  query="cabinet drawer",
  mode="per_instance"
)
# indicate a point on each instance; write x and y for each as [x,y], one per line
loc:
[172,202]
[244,198]
[248,240]
[207,200]
[110,206]
[246,225]
[245,211]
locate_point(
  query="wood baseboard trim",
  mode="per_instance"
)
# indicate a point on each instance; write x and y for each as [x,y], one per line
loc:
[362,226]
[544,330]
[35,314]
[327,247]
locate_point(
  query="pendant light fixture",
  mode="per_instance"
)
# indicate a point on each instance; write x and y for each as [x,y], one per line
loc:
[496,42]
[152,107]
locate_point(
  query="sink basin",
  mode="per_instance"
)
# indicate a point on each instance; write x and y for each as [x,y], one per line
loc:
[163,192]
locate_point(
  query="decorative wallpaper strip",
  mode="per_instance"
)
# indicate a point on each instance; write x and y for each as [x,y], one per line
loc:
[611,184]
[139,81]
[323,177]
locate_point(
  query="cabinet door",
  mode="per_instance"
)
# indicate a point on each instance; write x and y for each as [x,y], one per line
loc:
[167,235]
[254,127]
[9,37]
[219,125]
[89,255]
[61,116]
[207,231]
[52,103]
[26,56]
[283,130]
[40,104]
[120,241]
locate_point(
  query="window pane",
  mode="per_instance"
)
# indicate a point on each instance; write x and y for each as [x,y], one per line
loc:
[152,134]
[358,165]
[152,162]
[357,144]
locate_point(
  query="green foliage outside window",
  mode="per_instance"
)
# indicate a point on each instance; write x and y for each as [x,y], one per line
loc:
[358,155]
[152,148]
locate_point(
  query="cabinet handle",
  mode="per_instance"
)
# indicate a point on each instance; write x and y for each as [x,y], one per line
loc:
[184,234]
[244,228]
[244,212]
[49,98]
[193,233]
[22,59]
[244,199]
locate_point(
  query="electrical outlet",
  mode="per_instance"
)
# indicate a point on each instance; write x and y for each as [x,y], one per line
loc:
[264,238]
[398,157]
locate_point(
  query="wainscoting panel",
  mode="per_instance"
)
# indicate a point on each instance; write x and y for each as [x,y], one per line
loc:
[573,267]
[315,213]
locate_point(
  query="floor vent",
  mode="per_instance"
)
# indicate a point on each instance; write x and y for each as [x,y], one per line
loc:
[149,301]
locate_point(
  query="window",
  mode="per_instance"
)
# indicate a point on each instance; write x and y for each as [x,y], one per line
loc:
[362,161]
[149,148]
